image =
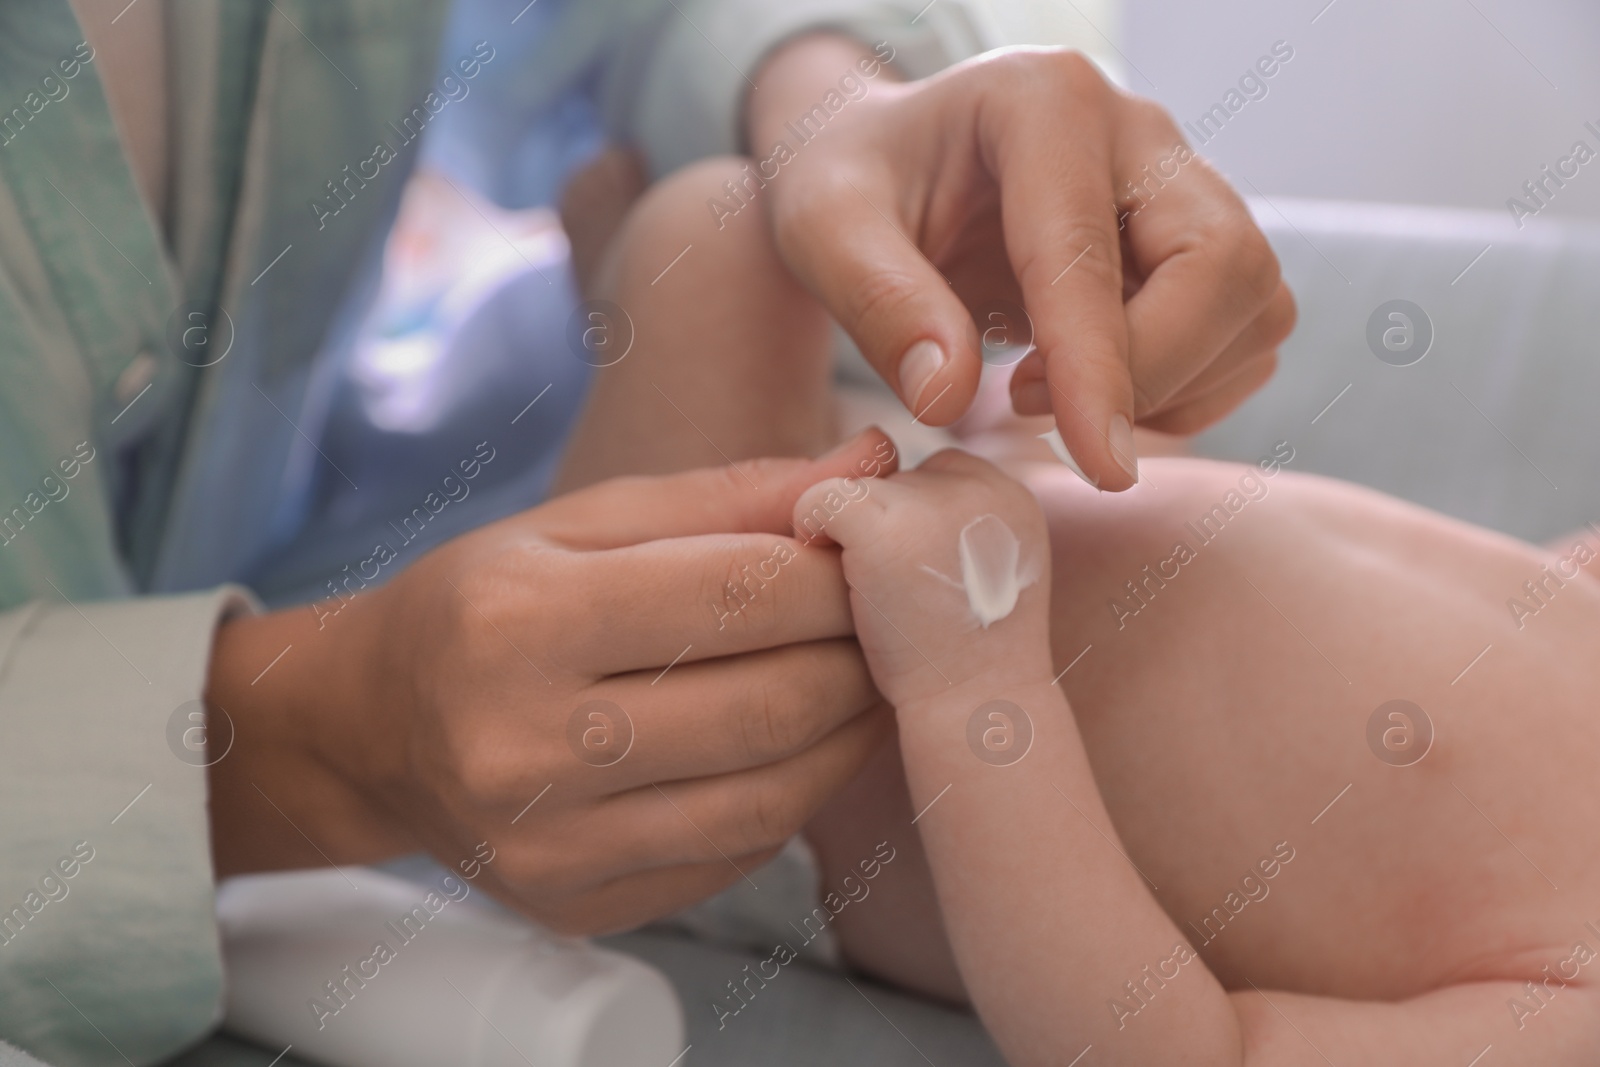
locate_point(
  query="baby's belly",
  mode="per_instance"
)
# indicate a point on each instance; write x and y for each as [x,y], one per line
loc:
[1351,764]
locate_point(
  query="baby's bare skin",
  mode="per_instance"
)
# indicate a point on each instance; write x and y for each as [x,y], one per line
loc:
[1222,708]
[1223,722]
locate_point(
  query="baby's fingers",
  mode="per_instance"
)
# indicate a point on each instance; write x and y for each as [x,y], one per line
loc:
[842,510]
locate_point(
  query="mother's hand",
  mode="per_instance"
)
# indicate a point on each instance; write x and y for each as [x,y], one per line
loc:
[1011,178]
[452,706]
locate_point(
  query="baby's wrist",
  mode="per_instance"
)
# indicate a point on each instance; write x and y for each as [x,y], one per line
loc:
[966,662]
[1023,683]
[996,724]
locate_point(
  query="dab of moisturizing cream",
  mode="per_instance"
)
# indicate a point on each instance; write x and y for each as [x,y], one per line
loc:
[991,568]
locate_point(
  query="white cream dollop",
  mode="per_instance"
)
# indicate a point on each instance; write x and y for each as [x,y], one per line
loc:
[991,568]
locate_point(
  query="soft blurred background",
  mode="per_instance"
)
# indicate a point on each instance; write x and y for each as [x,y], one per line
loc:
[1452,102]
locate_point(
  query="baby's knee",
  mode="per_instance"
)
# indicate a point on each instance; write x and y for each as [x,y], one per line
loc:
[702,226]
[706,198]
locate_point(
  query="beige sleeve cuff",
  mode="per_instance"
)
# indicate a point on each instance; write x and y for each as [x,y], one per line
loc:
[108,941]
[679,97]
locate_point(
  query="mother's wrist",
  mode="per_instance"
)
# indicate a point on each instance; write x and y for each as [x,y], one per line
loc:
[248,679]
[288,691]
[798,75]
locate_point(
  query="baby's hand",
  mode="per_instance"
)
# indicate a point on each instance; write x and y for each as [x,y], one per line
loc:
[949,569]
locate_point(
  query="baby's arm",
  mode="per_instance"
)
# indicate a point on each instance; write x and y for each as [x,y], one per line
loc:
[1051,923]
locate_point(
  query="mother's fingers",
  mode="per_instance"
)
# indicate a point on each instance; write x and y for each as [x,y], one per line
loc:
[1200,411]
[1259,339]
[680,597]
[1208,271]
[689,599]
[848,241]
[704,819]
[725,715]
[1050,148]
[751,496]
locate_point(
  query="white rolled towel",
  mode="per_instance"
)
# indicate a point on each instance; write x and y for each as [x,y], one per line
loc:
[356,968]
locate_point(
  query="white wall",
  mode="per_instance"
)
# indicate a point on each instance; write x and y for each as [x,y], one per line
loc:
[1409,101]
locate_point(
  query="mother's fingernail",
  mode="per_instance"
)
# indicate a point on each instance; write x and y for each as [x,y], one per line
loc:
[1059,447]
[1120,437]
[918,367]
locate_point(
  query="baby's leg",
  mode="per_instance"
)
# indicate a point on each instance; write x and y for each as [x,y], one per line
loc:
[720,355]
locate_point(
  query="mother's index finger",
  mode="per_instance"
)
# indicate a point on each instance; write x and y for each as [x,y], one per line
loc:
[1054,165]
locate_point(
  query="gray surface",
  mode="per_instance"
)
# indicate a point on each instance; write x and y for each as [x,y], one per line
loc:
[806,1016]
[220,1050]
[1495,424]
[11,1057]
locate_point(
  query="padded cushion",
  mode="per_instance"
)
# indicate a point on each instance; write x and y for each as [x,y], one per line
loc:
[1496,423]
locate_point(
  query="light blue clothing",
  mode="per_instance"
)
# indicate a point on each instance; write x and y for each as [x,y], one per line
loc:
[526,131]
[135,484]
